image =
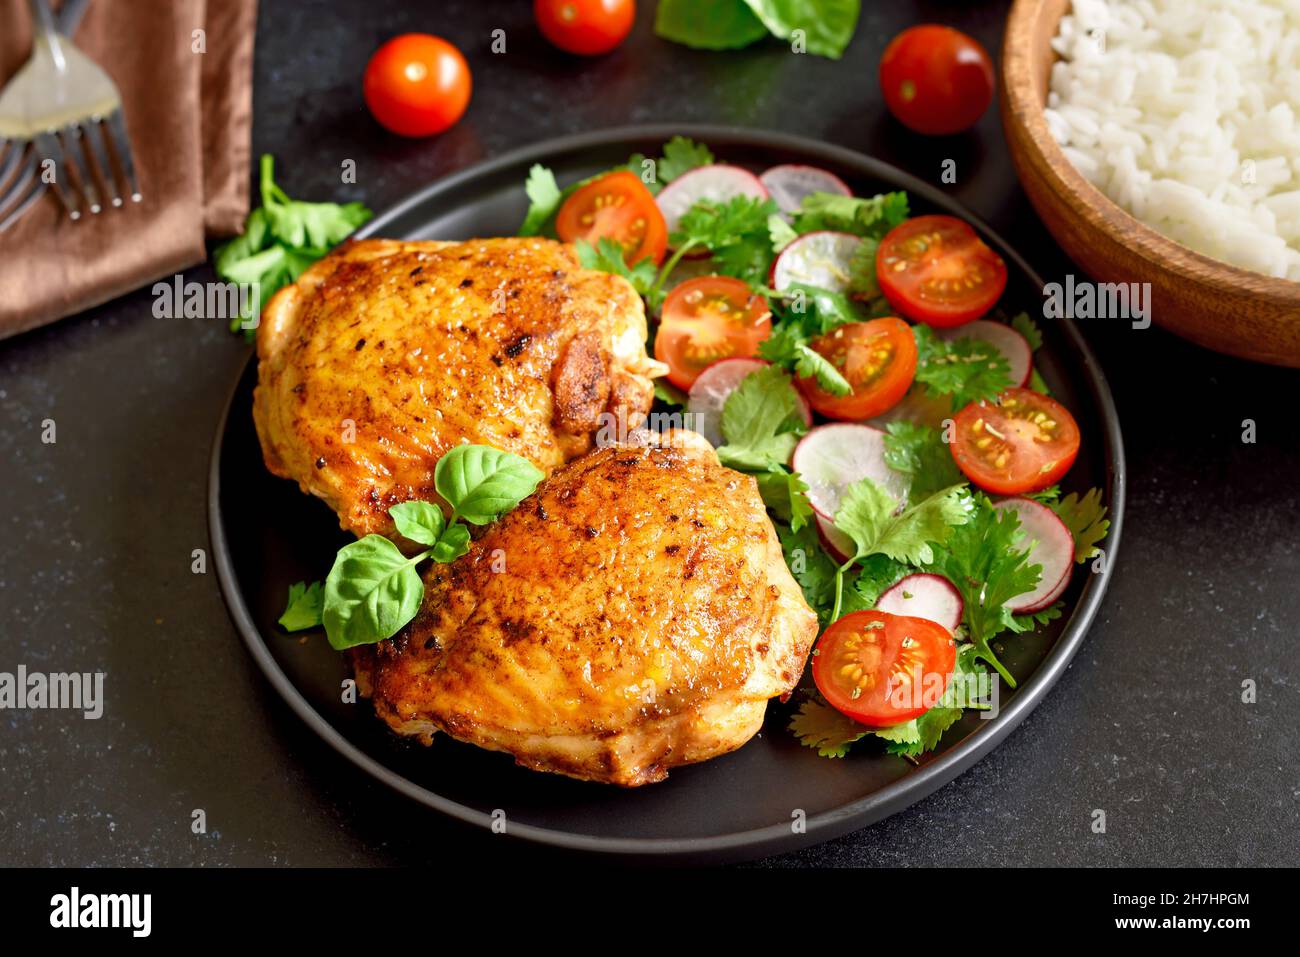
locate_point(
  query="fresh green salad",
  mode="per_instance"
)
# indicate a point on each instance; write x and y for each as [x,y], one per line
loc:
[857,361]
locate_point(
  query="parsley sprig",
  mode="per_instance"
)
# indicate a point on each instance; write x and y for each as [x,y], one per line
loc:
[281,239]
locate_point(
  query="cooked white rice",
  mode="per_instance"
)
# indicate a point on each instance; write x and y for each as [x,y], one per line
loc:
[1184,113]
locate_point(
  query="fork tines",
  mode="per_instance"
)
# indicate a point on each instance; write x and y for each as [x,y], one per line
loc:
[20,187]
[80,153]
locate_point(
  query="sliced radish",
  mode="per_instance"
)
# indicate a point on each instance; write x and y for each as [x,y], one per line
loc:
[832,457]
[924,596]
[709,394]
[718,183]
[1019,355]
[820,259]
[1052,547]
[838,545]
[916,406]
[790,183]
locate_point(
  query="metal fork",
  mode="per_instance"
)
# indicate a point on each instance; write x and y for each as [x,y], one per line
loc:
[72,113]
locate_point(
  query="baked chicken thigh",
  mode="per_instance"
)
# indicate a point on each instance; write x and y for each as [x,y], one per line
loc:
[632,615]
[385,354]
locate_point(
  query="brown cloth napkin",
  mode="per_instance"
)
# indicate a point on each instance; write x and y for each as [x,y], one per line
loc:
[189,115]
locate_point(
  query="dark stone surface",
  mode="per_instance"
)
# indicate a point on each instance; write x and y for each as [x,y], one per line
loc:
[1148,723]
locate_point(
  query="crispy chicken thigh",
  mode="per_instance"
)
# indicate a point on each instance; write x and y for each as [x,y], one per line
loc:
[385,354]
[632,615]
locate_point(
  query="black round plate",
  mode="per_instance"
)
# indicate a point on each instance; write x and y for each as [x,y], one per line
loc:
[266,534]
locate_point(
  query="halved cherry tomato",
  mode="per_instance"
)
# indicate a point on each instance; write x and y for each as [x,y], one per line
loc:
[707,319]
[417,85]
[585,27]
[878,358]
[616,206]
[1022,441]
[882,669]
[936,80]
[934,269]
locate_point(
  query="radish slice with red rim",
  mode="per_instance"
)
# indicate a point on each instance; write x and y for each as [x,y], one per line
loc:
[718,183]
[788,184]
[823,259]
[924,596]
[1012,345]
[1050,545]
[838,545]
[709,394]
[832,457]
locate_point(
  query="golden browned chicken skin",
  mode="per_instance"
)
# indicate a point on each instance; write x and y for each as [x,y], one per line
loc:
[385,354]
[632,615]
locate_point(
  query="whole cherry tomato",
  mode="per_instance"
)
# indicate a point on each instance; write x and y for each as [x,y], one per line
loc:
[417,85]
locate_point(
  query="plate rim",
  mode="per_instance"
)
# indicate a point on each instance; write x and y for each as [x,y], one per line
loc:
[869,809]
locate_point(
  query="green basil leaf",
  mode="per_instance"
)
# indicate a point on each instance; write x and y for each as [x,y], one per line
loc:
[708,24]
[421,522]
[304,608]
[827,25]
[453,543]
[481,483]
[371,592]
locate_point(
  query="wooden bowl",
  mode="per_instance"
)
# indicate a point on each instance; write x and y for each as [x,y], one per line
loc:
[1213,304]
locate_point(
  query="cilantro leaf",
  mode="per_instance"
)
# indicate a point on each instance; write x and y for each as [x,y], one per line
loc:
[303,611]
[862,270]
[780,232]
[786,494]
[920,452]
[818,725]
[811,364]
[1031,621]
[1029,329]
[735,232]
[965,369]
[788,347]
[968,684]
[1086,519]
[867,514]
[870,217]
[761,421]
[607,256]
[982,560]
[1045,496]
[877,573]
[829,309]
[680,156]
[1038,383]
[544,198]
[811,567]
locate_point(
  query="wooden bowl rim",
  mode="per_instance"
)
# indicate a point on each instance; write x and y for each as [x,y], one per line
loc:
[1095,207]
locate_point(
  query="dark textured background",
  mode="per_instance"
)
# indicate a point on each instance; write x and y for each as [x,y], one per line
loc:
[97,529]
